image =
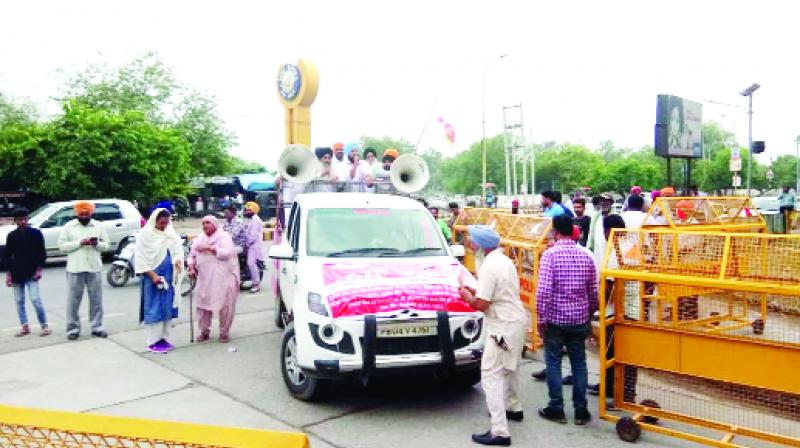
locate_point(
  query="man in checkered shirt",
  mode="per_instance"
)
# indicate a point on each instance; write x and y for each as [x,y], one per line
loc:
[566,298]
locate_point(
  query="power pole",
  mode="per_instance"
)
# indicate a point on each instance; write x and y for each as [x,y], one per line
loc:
[515,148]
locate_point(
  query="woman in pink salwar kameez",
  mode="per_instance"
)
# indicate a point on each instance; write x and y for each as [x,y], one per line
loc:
[213,262]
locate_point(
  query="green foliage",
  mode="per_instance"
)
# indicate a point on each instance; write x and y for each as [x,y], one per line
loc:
[133,133]
[241,166]
[785,170]
[148,86]
[381,144]
[90,152]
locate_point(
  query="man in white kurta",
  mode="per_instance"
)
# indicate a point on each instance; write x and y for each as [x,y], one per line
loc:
[497,295]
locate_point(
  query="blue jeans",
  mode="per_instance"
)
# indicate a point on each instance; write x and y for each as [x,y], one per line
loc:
[573,337]
[36,299]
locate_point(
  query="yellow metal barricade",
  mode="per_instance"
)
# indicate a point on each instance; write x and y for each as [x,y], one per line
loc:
[25,427]
[705,333]
[706,214]
[523,238]
[467,217]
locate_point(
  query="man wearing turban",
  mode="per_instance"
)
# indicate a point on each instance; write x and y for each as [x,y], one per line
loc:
[497,295]
[84,240]
[254,237]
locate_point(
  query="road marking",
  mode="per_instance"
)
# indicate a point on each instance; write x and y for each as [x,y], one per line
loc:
[57,323]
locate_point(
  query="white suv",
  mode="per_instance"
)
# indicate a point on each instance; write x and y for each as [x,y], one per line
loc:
[368,285]
[120,218]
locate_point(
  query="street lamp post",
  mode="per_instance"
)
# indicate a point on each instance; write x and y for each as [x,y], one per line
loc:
[748,92]
[483,134]
[797,166]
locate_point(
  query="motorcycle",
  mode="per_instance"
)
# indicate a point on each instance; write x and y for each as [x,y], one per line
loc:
[122,268]
[245,282]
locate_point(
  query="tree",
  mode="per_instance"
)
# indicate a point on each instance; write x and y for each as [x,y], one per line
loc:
[785,170]
[148,86]
[91,152]
[241,166]
[381,144]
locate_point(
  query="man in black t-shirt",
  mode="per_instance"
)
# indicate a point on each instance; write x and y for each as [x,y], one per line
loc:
[581,219]
[24,257]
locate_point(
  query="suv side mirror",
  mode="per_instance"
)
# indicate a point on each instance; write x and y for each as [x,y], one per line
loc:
[281,252]
[457,250]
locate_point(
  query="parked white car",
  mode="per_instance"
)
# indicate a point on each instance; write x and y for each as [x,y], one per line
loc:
[120,218]
[368,286]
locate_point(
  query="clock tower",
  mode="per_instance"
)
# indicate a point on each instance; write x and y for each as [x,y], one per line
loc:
[297,89]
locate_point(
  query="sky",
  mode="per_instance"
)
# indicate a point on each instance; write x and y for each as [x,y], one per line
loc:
[584,71]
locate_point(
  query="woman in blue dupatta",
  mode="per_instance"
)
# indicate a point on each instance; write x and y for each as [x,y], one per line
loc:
[158,258]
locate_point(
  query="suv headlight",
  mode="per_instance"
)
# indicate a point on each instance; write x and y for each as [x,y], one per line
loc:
[316,304]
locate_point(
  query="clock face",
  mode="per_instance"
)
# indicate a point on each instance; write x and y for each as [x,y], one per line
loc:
[289,81]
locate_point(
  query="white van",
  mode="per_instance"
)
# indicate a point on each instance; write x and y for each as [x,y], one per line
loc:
[368,286]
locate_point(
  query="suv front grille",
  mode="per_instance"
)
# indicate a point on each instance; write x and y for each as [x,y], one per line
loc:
[407,346]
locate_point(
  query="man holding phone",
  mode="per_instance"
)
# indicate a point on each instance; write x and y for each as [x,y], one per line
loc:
[84,240]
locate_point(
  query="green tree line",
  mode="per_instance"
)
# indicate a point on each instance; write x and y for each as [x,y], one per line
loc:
[132,132]
[567,166]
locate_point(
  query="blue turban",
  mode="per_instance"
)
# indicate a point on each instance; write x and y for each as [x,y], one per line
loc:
[483,236]
[350,147]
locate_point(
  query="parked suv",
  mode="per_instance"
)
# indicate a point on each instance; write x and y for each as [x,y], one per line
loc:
[120,218]
[369,286]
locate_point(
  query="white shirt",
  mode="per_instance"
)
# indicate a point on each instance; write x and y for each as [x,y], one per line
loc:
[633,219]
[341,169]
[498,283]
[83,258]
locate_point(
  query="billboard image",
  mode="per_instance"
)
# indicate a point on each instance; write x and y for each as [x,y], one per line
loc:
[679,126]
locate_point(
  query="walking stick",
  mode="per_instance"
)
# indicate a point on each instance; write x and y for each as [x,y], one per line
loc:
[190,293]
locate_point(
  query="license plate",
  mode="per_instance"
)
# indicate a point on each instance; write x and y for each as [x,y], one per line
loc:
[406,331]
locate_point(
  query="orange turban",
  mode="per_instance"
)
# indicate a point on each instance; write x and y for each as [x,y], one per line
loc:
[84,207]
[338,146]
[253,207]
[667,191]
[391,152]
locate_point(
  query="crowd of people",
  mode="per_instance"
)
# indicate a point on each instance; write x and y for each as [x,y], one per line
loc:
[159,262]
[566,301]
[348,167]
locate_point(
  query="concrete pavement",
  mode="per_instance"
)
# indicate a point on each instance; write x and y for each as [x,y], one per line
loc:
[240,384]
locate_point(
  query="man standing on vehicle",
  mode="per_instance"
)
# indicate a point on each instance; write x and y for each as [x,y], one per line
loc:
[84,240]
[497,296]
[24,257]
[235,228]
[254,238]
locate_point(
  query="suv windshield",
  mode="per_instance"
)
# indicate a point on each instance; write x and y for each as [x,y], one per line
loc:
[343,232]
[40,214]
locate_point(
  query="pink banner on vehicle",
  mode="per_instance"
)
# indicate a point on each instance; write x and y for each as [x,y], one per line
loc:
[356,289]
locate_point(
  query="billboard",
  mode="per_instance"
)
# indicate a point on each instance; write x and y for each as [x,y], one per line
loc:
[679,127]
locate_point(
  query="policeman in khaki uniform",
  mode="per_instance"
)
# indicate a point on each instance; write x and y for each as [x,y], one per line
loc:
[497,296]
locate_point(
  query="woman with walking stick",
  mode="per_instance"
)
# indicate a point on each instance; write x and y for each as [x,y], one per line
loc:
[213,262]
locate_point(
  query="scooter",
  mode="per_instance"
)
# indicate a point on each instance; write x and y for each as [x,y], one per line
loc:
[122,268]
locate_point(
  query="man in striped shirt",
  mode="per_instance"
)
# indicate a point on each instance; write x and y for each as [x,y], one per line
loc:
[566,298]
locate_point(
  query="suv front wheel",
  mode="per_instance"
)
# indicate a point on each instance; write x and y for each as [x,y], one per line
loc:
[300,384]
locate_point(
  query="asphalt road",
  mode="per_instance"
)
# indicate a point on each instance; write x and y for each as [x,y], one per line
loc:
[240,384]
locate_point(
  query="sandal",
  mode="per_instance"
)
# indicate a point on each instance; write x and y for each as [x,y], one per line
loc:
[203,337]
[45,331]
[224,339]
[24,331]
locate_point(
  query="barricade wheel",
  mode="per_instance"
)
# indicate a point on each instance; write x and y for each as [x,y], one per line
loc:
[628,430]
[649,403]
[758,326]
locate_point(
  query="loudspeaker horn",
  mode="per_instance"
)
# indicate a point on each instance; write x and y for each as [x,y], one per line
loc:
[298,164]
[409,173]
